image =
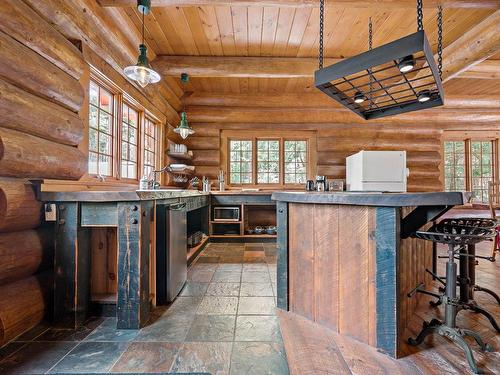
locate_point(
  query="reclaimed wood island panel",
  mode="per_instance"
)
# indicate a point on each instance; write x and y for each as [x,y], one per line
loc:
[347,261]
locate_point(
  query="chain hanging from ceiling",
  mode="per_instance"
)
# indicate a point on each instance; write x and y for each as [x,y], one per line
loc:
[321,27]
[440,41]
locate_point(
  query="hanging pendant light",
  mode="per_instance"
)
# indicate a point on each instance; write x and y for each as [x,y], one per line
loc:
[394,78]
[184,130]
[142,72]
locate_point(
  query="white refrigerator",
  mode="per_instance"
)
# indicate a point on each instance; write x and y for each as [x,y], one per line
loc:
[380,171]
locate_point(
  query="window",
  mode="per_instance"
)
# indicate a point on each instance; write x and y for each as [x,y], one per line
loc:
[123,137]
[101,130]
[482,168]
[130,125]
[240,162]
[469,164]
[150,144]
[260,160]
[295,162]
[268,161]
[454,165]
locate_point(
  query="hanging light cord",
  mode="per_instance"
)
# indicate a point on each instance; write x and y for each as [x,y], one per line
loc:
[420,16]
[440,41]
[370,46]
[321,27]
[143,11]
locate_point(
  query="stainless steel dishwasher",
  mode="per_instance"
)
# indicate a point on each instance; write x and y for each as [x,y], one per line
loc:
[171,251]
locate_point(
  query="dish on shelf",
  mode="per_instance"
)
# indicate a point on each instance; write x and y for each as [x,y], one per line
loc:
[259,230]
[271,229]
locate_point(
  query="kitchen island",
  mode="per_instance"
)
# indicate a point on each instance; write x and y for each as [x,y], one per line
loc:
[347,260]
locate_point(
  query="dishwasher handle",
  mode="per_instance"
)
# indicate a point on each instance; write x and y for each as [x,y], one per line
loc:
[177,206]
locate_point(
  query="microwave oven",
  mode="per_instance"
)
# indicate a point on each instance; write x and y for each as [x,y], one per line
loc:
[222,213]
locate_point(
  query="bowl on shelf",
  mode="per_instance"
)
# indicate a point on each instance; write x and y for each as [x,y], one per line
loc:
[249,231]
[271,229]
[259,230]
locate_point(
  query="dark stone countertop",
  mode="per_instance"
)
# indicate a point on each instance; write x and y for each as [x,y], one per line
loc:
[374,198]
[116,196]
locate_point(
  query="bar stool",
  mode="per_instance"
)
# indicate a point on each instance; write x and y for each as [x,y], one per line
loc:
[456,237]
[467,279]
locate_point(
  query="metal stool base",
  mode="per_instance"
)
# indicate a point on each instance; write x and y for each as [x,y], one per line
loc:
[457,336]
[473,306]
[478,288]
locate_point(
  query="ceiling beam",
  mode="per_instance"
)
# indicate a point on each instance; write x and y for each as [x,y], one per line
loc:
[203,114]
[292,67]
[238,67]
[473,47]
[316,100]
[377,4]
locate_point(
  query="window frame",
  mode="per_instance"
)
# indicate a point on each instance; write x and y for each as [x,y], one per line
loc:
[156,148]
[121,97]
[468,137]
[241,135]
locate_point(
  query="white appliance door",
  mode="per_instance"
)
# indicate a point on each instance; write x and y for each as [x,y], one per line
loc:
[384,166]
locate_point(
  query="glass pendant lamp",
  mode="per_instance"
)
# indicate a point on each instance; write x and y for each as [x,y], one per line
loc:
[142,72]
[184,130]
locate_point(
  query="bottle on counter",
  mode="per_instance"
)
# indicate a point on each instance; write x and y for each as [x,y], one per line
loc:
[144,183]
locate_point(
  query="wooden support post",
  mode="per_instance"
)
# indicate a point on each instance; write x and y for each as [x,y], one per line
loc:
[282,275]
[387,243]
[72,267]
[133,264]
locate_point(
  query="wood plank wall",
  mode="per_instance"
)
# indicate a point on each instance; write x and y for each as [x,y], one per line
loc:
[41,86]
[334,143]
[333,273]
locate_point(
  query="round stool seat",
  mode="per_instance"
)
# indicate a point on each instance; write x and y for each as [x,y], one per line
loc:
[487,223]
[456,235]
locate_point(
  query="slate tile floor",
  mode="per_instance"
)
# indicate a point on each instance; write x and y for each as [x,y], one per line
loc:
[223,322]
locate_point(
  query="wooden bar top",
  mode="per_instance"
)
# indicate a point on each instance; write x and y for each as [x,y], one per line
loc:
[374,198]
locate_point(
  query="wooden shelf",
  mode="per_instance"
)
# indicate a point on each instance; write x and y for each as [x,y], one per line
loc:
[104,298]
[187,172]
[259,235]
[180,156]
[225,222]
[193,251]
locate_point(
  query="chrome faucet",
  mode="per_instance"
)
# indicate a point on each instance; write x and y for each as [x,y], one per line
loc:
[154,183]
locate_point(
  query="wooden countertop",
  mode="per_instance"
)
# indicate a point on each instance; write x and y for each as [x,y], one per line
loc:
[374,199]
[123,196]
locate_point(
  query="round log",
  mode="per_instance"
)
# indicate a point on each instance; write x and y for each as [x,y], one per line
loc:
[22,306]
[23,24]
[19,208]
[31,114]
[199,114]
[27,69]
[23,254]
[23,155]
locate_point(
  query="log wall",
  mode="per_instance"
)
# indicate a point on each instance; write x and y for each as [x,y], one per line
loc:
[42,90]
[334,143]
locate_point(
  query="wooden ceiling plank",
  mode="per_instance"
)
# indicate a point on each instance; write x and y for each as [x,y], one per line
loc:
[297,32]
[391,4]
[166,24]
[240,28]
[197,31]
[211,28]
[255,21]
[269,26]
[225,23]
[136,21]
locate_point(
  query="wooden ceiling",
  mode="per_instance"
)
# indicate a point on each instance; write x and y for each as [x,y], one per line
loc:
[291,31]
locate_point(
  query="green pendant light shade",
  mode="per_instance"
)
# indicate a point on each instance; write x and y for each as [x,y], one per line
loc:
[183,129]
[142,72]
